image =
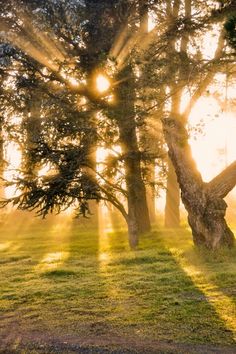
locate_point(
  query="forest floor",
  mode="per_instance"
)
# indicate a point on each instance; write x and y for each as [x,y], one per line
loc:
[65,288]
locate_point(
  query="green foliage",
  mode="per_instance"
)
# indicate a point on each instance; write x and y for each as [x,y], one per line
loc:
[230,27]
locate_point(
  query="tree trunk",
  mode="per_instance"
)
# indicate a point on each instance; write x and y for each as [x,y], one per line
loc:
[145,134]
[172,212]
[203,201]
[124,114]
[132,229]
[209,228]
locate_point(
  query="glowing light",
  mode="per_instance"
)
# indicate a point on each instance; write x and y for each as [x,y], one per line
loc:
[43,171]
[13,157]
[47,170]
[102,83]
[54,257]
[5,246]
[52,261]
[104,228]
[151,23]
[215,147]
[110,99]
[73,81]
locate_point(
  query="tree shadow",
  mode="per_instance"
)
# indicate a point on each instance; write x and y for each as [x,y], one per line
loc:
[214,273]
[104,289]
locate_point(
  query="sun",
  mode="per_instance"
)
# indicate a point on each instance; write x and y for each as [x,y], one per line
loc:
[102,83]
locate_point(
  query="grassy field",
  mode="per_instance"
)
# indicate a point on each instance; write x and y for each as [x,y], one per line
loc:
[62,284]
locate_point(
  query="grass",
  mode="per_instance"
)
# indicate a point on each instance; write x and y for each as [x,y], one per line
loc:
[63,279]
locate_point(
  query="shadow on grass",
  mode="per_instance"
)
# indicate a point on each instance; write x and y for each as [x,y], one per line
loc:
[103,289]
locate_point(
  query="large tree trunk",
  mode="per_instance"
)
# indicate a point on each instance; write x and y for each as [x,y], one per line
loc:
[172,207]
[203,201]
[172,212]
[125,116]
[146,134]
[123,112]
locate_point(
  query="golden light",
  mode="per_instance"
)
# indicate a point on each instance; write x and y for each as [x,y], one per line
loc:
[44,170]
[222,304]
[151,23]
[5,246]
[73,82]
[215,147]
[52,261]
[102,83]
[13,156]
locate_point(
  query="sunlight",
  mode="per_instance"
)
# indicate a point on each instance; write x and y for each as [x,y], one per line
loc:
[5,245]
[62,224]
[52,261]
[212,293]
[44,170]
[47,170]
[102,83]
[12,155]
[151,23]
[42,46]
[73,81]
[215,147]
[101,155]
[104,228]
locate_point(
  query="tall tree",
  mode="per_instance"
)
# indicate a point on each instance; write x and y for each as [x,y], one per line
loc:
[203,201]
[87,42]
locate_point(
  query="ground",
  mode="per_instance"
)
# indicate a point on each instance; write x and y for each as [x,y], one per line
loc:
[67,288]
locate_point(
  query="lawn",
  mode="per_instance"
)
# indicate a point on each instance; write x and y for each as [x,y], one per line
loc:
[68,288]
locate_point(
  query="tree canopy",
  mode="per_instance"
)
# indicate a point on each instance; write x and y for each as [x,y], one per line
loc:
[82,76]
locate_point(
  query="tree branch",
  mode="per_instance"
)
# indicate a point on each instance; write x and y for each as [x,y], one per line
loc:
[208,78]
[222,184]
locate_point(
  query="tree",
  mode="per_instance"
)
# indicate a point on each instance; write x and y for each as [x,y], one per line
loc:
[81,50]
[58,66]
[204,201]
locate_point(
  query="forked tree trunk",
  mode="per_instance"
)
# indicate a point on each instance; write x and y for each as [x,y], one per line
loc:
[172,213]
[204,202]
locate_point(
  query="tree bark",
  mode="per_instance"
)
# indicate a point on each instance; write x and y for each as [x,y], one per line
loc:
[146,135]
[124,114]
[172,211]
[204,203]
